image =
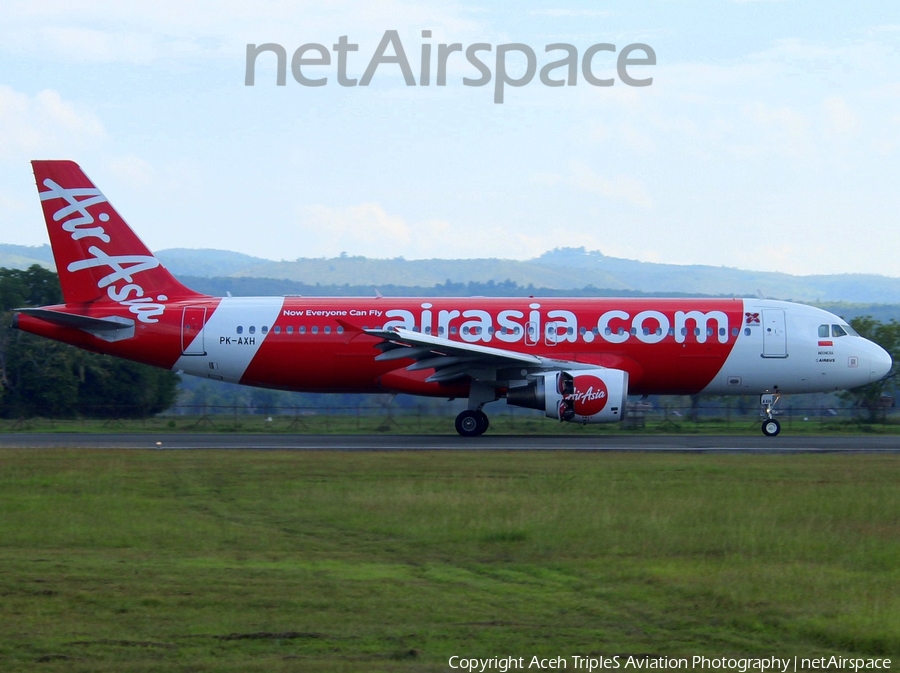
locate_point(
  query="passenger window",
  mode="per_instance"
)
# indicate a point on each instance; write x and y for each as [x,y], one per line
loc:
[734,331]
[252,329]
[823,330]
[328,329]
[315,329]
[441,329]
[302,329]
[340,330]
[240,329]
[837,331]
[265,329]
[746,331]
[277,329]
[290,329]
[452,330]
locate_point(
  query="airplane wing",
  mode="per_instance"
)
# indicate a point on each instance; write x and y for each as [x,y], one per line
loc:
[454,359]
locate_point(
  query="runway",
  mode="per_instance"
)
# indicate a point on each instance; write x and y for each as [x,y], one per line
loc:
[288,442]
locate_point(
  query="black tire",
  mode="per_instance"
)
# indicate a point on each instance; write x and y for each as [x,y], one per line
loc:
[483,421]
[771,427]
[469,423]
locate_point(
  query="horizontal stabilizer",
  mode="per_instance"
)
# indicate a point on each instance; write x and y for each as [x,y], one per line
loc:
[112,328]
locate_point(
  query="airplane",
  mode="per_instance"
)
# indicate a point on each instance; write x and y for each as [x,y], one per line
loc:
[575,360]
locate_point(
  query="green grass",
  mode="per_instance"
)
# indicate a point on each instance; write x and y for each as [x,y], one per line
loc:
[283,561]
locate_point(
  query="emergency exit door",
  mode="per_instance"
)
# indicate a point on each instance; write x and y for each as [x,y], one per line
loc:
[192,321]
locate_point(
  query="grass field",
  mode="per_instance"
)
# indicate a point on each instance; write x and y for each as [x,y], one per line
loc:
[317,561]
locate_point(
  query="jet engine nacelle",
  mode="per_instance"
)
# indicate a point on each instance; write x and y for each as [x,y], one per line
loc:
[582,395]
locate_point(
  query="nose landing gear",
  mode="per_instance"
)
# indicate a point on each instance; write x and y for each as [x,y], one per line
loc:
[770,426]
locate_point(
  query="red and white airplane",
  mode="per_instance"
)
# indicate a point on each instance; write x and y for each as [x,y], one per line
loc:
[573,359]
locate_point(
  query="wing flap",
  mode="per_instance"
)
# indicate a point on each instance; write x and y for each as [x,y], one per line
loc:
[429,345]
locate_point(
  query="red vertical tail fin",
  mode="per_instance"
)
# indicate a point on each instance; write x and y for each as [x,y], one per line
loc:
[98,256]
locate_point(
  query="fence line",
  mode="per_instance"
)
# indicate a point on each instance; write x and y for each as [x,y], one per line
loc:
[386,417]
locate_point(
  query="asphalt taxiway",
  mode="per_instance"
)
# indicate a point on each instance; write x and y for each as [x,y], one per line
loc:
[675,443]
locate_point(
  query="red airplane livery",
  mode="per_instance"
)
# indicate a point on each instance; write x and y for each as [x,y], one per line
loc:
[573,359]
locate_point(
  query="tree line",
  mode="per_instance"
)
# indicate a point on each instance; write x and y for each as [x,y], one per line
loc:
[41,377]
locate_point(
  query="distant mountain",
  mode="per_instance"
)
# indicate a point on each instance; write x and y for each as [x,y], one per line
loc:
[208,262]
[572,268]
[23,256]
[563,269]
[648,276]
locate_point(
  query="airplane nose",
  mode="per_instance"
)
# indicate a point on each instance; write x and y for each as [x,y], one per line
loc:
[881,363]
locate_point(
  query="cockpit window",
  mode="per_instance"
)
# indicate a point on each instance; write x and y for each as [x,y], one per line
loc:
[837,331]
[850,330]
[823,330]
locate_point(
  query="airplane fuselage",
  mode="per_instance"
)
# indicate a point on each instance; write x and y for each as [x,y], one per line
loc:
[667,346]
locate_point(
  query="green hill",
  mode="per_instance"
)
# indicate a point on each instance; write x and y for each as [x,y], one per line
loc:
[565,270]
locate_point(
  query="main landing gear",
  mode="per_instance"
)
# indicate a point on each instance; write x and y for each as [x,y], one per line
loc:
[770,426]
[472,423]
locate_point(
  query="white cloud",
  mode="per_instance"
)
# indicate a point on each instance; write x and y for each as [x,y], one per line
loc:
[43,122]
[618,188]
[569,13]
[113,31]
[99,46]
[840,119]
[132,171]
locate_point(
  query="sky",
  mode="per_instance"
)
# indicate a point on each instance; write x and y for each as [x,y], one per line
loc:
[769,138]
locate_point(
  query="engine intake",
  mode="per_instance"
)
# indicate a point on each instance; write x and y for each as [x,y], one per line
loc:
[582,395]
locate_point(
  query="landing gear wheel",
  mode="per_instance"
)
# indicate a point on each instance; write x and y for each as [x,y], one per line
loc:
[771,427]
[471,423]
[483,422]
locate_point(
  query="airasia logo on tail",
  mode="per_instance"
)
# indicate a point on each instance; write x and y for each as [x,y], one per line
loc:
[123,268]
[590,396]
